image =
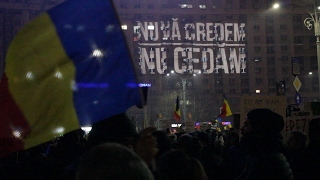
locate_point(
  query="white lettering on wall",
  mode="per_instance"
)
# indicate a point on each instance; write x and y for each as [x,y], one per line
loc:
[175,29]
[207,47]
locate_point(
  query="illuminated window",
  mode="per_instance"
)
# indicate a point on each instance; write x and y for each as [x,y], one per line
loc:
[124,27]
[202,6]
[151,27]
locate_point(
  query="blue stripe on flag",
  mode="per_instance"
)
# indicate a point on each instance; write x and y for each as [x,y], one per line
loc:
[91,36]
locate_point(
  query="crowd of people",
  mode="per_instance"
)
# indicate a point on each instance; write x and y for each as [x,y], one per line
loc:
[115,150]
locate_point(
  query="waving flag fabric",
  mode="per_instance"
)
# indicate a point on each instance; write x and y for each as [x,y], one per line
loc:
[177,113]
[225,109]
[68,68]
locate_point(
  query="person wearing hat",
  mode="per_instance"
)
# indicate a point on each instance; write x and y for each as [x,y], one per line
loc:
[262,142]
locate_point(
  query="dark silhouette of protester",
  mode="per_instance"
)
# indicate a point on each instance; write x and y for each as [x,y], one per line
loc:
[262,140]
[8,166]
[189,145]
[232,139]
[32,164]
[112,161]
[296,147]
[176,165]
[204,140]
[231,157]
[163,141]
[116,129]
[312,153]
[68,151]
[209,157]
[120,129]
[164,145]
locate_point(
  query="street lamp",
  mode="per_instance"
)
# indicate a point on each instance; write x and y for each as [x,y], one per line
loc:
[312,21]
[184,82]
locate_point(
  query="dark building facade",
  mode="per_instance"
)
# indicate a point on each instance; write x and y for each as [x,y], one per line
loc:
[215,47]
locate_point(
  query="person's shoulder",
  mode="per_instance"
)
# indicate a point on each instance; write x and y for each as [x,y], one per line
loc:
[274,164]
[274,157]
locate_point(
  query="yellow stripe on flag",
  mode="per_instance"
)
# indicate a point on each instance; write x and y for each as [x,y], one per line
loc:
[46,99]
[228,110]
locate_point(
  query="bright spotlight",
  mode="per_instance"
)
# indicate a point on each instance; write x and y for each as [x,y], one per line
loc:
[275,6]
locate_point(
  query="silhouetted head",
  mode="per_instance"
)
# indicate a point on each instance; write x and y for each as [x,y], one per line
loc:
[297,141]
[112,161]
[262,132]
[175,165]
[263,122]
[115,129]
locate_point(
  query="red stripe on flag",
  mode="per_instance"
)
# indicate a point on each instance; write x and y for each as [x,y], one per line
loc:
[176,114]
[13,125]
[223,111]
[176,117]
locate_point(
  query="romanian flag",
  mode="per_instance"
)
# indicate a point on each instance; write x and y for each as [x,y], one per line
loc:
[68,68]
[177,113]
[225,109]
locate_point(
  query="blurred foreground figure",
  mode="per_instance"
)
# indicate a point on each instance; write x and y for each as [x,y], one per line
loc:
[115,129]
[312,153]
[176,165]
[262,144]
[120,129]
[112,161]
[296,147]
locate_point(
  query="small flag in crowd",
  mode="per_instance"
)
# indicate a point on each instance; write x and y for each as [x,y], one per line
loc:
[68,68]
[177,113]
[225,109]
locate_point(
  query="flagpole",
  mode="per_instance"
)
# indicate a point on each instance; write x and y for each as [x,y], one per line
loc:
[184,82]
